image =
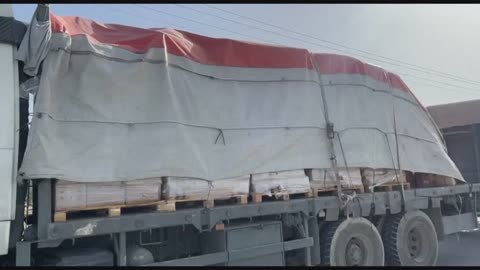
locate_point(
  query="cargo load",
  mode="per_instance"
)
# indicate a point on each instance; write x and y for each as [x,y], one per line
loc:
[130,104]
[78,195]
[324,179]
[280,183]
[382,176]
[432,180]
[184,188]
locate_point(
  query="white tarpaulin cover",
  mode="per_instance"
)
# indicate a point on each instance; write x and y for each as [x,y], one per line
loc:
[123,103]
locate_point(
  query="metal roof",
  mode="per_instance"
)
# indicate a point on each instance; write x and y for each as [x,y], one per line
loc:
[456,114]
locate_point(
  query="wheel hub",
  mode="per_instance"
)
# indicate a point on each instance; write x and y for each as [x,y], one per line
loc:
[355,252]
[414,243]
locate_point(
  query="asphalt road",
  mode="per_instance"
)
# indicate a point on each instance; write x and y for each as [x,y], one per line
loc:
[461,251]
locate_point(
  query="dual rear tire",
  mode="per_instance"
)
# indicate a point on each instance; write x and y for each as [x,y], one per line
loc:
[351,242]
[406,239]
[410,239]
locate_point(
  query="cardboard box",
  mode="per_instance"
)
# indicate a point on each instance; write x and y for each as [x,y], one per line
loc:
[143,191]
[325,178]
[70,195]
[184,188]
[105,194]
[382,176]
[422,180]
[283,182]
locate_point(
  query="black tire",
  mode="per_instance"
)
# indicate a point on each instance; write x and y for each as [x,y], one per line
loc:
[326,236]
[378,221]
[354,241]
[410,239]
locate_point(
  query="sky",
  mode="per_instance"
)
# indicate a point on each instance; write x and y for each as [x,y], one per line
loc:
[434,48]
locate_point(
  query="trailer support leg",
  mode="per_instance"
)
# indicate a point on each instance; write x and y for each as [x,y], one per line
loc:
[23,254]
[313,231]
[308,259]
[122,249]
[44,212]
[44,207]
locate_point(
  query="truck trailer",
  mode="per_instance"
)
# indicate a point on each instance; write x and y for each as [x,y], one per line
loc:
[155,115]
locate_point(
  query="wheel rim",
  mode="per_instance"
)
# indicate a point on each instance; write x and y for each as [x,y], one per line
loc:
[417,242]
[355,252]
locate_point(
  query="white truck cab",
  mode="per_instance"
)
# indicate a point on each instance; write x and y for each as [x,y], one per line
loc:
[9,125]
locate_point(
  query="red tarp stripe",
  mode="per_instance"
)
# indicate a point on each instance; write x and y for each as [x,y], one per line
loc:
[202,49]
[219,52]
[341,64]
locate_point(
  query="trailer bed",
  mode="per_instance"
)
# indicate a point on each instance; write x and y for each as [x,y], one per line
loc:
[211,219]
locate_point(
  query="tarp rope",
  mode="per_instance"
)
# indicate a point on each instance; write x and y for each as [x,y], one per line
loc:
[331,135]
[348,197]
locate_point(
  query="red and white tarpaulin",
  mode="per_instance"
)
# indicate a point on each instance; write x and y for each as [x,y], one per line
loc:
[124,103]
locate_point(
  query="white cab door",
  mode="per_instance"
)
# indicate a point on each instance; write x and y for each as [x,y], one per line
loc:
[8,134]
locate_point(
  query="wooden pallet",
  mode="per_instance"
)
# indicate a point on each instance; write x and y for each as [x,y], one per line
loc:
[389,187]
[259,197]
[107,210]
[160,206]
[318,192]
[174,204]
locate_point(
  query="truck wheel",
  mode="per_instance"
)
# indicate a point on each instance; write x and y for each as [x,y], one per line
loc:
[410,239]
[351,242]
